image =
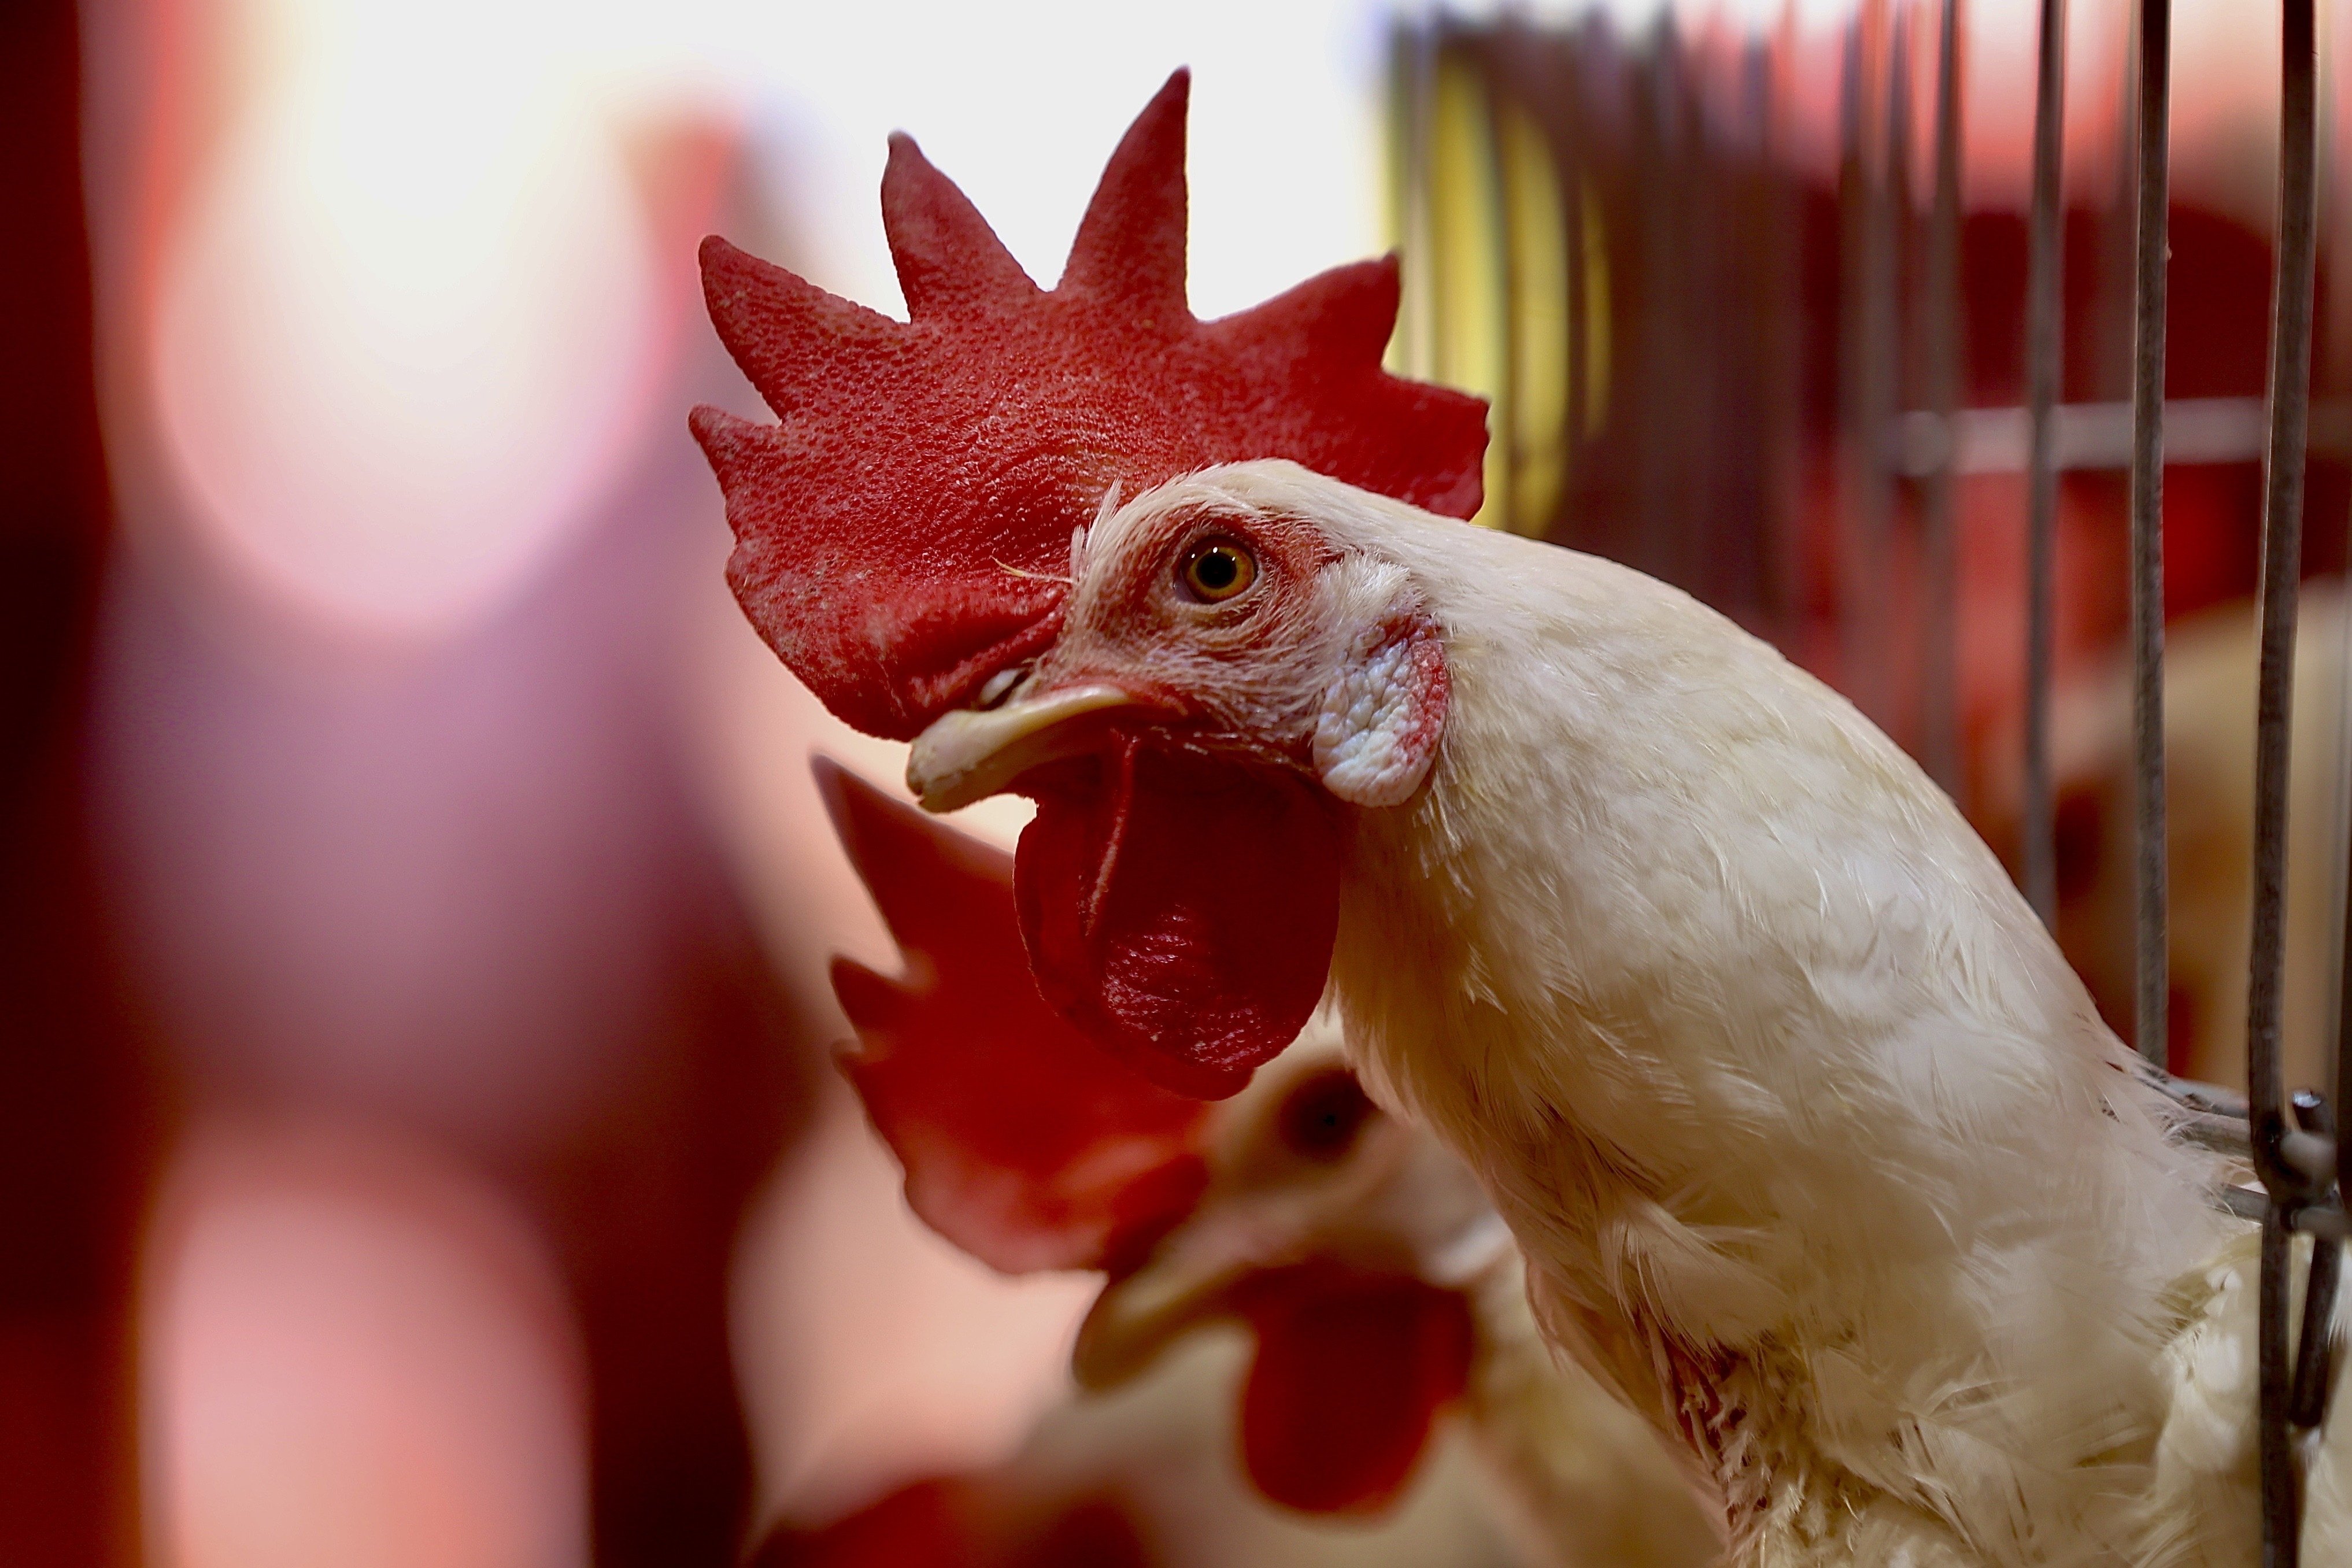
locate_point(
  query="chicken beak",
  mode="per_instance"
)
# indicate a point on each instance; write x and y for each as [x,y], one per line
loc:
[1137,1316]
[971,755]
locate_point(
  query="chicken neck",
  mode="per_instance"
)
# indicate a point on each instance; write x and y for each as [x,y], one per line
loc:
[1815,1147]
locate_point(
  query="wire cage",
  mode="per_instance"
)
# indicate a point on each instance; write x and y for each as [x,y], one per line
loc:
[1780,376]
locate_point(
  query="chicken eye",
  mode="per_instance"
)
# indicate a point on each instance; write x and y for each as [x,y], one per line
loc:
[1322,1116]
[1219,571]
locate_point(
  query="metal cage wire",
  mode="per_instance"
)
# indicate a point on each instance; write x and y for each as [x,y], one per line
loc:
[1616,128]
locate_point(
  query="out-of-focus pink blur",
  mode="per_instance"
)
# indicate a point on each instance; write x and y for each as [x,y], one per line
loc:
[374,1343]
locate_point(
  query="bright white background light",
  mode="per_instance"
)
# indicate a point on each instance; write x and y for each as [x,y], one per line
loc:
[401,330]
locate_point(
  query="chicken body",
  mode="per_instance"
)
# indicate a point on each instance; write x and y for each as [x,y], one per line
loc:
[1806,1128]
[1813,1145]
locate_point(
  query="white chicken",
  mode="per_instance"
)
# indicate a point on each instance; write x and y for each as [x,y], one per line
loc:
[1813,1144]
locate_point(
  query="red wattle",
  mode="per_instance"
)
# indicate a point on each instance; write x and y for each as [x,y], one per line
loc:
[1023,1143]
[1180,911]
[1350,1372]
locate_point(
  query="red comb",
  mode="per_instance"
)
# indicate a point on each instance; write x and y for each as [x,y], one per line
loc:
[1023,1142]
[895,532]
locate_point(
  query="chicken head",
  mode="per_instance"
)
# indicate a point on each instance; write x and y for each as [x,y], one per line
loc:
[1228,680]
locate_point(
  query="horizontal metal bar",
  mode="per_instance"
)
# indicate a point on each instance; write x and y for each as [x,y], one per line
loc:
[2246,1203]
[2312,1155]
[2192,1094]
[2220,1134]
[2099,436]
[2212,1117]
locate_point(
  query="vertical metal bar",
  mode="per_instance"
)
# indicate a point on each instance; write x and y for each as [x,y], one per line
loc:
[1939,711]
[2343,1076]
[1574,183]
[1779,247]
[2314,1355]
[1418,71]
[2344,991]
[2340,1084]
[1868,354]
[1670,388]
[1893,247]
[2289,398]
[1853,646]
[1505,422]
[2280,1545]
[2151,961]
[1895,205]
[2283,464]
[2307,1399]
[1404,196]
[2045,344]
[2331,128]
[1750,393]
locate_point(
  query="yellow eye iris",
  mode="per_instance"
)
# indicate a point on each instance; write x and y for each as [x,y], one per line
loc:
[1219,571]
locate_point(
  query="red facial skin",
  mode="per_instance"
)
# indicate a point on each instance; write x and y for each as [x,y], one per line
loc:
[1239,678]
[1023,1143]
[1180,888]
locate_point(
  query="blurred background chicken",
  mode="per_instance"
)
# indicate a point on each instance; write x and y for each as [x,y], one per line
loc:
[2210,776]
[1146,1476]
[1379,1289]
[1320,1202]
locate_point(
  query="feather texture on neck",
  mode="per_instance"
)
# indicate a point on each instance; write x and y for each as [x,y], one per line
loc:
[1815,1145]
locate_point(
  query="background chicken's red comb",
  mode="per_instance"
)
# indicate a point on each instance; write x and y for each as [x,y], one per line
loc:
[896,533]
[1023,1142]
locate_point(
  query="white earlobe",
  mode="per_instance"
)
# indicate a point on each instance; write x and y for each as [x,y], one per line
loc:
[1378,731]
